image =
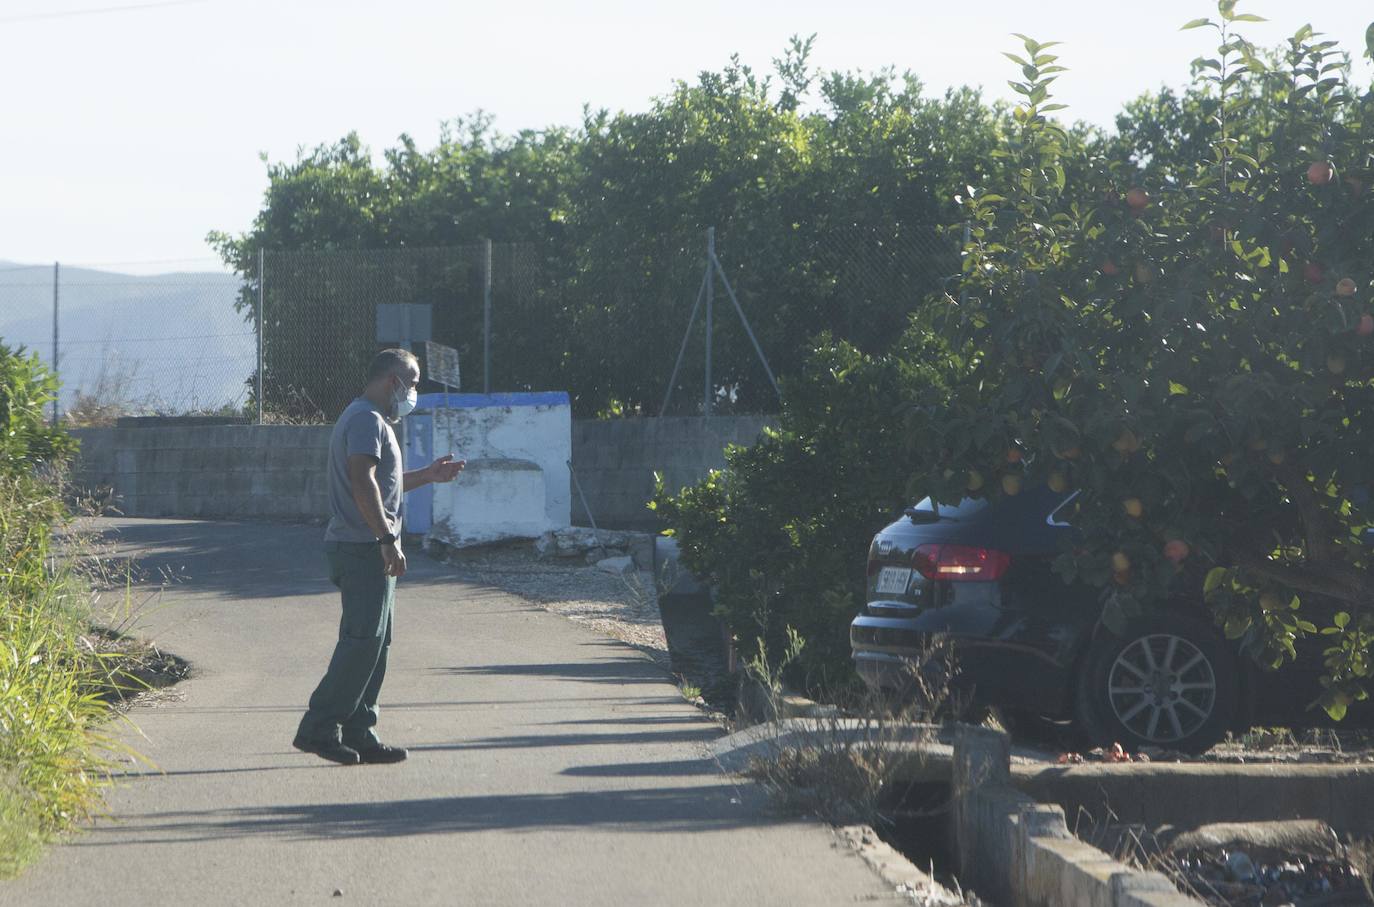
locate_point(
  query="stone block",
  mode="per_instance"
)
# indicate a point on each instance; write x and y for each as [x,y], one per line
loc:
[1084,873]
[616,565]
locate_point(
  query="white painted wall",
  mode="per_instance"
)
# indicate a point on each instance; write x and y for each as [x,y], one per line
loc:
[518,447]
[491,501]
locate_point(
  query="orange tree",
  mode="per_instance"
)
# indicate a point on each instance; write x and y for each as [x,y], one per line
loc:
[1194,354]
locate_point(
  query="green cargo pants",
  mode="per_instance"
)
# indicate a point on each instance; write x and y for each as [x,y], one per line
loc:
[344,705]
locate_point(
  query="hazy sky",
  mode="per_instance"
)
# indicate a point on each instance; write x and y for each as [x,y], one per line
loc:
[128,135]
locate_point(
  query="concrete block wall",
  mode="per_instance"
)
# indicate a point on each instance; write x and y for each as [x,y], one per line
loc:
[277,471]
[1020,852]
[616,459]
[218,471]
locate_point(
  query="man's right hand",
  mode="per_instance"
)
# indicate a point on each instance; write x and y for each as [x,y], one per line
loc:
[393,559]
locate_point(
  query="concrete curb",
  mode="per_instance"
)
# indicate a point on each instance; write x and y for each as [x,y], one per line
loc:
[1187,795]
[892,867]
[1021,852]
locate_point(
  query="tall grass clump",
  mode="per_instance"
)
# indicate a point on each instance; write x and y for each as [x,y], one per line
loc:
[53,755]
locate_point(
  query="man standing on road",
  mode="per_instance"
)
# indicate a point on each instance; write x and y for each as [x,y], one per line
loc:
[363,542]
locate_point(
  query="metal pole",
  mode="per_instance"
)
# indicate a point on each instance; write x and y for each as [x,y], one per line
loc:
[486,317]
[687,335]
[578,485]
[745,321]
[710,305]
[56,354]
[262,296]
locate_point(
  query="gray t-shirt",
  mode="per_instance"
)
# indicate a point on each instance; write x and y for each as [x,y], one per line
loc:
[362,429]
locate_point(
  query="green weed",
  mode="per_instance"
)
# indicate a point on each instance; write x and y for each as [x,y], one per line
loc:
[55,758]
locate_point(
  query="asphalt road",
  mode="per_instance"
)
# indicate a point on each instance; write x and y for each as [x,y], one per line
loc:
[548,765]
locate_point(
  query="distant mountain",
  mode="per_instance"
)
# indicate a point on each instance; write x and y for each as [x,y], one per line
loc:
[167,343]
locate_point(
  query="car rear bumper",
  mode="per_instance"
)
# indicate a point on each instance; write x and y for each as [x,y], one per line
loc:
[884,650]
[992,671]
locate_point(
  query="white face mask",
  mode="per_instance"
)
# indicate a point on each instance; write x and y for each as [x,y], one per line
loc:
[403,400]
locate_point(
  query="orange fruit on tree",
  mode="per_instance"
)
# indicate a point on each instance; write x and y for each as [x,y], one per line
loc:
[1319,173]
[1133,507]
[1126,443]
[1345,287]
[1176,550]
[1138,199]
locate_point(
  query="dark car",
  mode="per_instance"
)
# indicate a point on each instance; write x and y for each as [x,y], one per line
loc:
[981,575]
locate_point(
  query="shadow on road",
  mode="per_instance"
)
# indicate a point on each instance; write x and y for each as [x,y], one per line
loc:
[651,810]
[524,741]
[245,559]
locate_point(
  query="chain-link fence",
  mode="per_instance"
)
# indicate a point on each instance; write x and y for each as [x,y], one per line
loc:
[612,320]
[126,344]
[607,328]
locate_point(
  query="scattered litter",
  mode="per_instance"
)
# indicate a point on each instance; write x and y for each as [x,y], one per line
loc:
[1232,879]
[1294,862]
[1114,753]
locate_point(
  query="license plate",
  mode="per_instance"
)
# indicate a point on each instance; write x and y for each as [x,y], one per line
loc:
[894,580]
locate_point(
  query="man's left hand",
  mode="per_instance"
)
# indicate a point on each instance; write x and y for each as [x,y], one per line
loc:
[445,469]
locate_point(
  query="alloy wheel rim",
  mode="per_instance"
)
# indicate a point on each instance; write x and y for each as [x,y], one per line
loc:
[1162,688]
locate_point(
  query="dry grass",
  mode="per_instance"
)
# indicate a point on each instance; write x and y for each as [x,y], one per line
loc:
[1361,856]
[851,763]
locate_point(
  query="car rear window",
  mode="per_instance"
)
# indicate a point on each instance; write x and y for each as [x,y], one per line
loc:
[929,510]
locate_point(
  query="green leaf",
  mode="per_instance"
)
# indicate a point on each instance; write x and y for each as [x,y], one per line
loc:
[1215,577]
[1248,17]
[1196,23]
[1341,620]
[1236,625]
[1369,41]
[1114,616]
[1335,709]
[1019,61]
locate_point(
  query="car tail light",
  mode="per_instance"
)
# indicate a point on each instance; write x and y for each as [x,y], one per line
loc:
[961,563]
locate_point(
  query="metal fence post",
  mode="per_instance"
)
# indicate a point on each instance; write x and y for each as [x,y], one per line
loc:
[56,352]
[262,297]
[710,305]
[486,317]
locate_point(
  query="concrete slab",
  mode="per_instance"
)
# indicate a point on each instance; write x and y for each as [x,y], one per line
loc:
[548,765]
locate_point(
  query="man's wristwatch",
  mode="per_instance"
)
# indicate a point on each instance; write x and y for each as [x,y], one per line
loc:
[388,539]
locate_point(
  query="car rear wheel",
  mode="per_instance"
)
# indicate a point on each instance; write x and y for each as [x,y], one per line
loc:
[1166,682]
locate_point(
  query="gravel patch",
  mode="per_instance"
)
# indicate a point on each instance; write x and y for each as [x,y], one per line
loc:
[621,606]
